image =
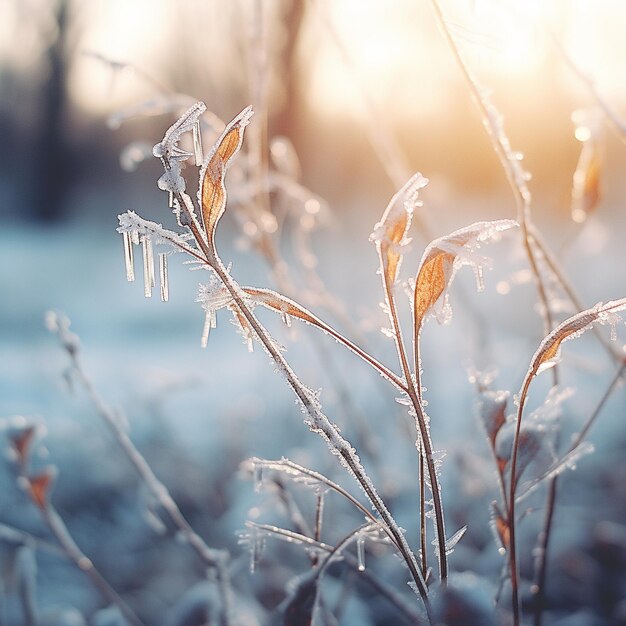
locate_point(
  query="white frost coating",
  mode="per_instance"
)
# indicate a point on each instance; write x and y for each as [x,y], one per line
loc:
[213,296]
[461,247]
[168,148]
[401,205]
[574,327]
[495,128]
[552,408]
[491,407]
[137,226]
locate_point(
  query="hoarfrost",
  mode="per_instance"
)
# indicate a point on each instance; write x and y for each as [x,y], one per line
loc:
[451,541]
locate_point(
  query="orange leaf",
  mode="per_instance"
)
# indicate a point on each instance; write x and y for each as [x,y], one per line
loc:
[212,193]
[500,526]
[442,258]
[548,351]
[390,233]
[39,487]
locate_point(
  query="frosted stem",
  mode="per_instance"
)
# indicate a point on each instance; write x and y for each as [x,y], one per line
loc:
[163,277]
[128,257]
[148,266]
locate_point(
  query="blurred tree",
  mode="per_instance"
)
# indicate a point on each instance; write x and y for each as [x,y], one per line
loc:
[52,152]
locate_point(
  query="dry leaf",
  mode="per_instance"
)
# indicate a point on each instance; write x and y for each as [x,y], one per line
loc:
[440,262]
[390,233]
[39,487]
[492,412]
[548,353]
[500,526]
[212,192]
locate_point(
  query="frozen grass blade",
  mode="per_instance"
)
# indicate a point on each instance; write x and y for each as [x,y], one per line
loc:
[39,486]
[390,236]
[546,356]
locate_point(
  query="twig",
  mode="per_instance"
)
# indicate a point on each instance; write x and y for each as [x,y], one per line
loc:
[383,588]
[211,557]
[75,554]
[319,423]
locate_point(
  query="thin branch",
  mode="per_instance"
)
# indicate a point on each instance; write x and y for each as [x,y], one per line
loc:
[383,588]
[211,557]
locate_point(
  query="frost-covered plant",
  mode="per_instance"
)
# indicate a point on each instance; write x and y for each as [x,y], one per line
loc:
[428,295]
[38,484]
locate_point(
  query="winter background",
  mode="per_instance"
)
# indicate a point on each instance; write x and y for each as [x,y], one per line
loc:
[80,81]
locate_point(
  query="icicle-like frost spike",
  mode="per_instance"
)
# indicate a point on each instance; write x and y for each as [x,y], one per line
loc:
[128,256]
[139,228]
[390,234]
[210,321]
[163,277]
[148,267]
[197,143]
[360,553]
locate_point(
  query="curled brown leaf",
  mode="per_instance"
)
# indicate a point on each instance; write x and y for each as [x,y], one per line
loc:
[212,192]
